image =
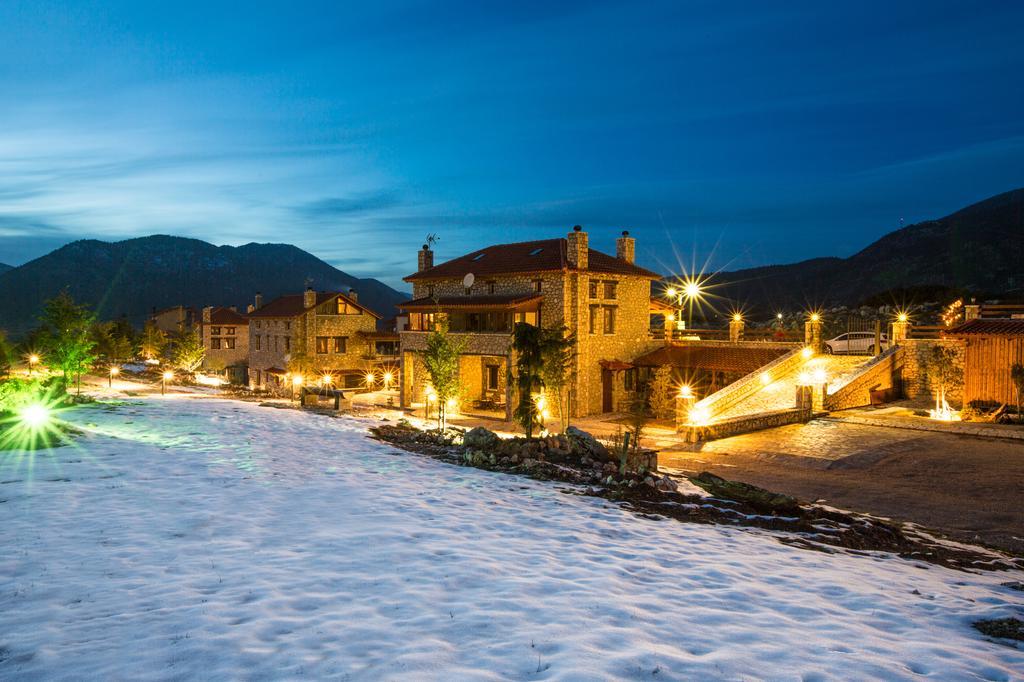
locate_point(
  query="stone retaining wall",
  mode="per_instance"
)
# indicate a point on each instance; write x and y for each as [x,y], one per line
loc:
[745,424]
[914,373]
[721,400]
[882,372]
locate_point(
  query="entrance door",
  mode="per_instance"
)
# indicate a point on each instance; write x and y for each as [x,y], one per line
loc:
[606,390]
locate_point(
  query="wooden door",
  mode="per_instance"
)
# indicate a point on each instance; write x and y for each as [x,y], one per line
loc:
[606,390]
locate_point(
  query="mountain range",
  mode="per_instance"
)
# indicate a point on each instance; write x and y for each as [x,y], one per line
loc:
[979,250]
[4,268]
[134,276]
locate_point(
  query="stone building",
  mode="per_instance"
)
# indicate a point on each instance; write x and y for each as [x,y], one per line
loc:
[225,334]
[604,300]
[315,334]
[174,320]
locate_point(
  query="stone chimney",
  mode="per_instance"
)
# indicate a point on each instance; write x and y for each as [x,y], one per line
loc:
[250,308]
[207,314]
[625,247]
[578,250]
[233,308]
[426,258]
[258,301]
[353,295]
[309,298]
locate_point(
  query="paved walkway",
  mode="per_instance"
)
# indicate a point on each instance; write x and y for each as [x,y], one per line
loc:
[968,487]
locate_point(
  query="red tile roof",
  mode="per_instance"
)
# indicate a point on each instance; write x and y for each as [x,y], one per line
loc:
[544,255]
[227,316]
[492,301]
[991,326]
[293,305]
[718,358]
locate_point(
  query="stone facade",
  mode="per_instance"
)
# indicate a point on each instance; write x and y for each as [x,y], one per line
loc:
[882,373]
[914,370]
[609,313]
[225,335]
[311,335]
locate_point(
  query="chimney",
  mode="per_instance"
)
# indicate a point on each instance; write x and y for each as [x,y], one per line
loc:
[625,247]
[578,251]
[426,258]
[207,314]
[353,295]
[258,301]
[309,298]
[233,308]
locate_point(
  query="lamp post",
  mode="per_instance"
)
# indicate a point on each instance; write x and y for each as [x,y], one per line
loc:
[296,383]
[692,292]
[114,371]
[164,378]
[33,360]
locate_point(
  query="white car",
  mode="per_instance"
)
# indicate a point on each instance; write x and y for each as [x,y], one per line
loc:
[855,342]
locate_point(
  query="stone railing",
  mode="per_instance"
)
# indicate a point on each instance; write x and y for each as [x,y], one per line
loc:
[723,399]
[882,372]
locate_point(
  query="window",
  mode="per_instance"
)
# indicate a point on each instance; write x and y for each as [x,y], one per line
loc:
[490,287]
[230,331]
[492,378]
[321,345]
[343,307]
[538,285]
[430,291]
[479,255]
[215,331]
[288,325]
[287,343]
[469,290]
[609,319]
[593,288]
[339,344]
[256,342]
[259,324]
[214,344]
[275,344]
[609,289]
[229,344]
[595,312]
[536,251]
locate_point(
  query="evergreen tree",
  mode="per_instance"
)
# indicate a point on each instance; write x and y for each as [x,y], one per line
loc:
[66,339]
[187,351]
[527,342]
[557,351]
[153,342]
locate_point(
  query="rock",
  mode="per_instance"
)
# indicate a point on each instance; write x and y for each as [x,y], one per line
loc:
[666,485]
[480,438]
[1005,628]
[582,442]
[651,482]
[764,501]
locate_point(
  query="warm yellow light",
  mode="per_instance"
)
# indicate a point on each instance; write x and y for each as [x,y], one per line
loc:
[451,403]
[327,379]
[819,376]
[671,292]
[766,378]
[369,378]
[35,415]
[807,352]
[545,415]
[803,379]
[691,290]
[33,359]
[815,317]
[114,371]
[902,317]
[685,391]
[671,317]
[388,378]
[778,315]
[737,317]
[699,415]
[541,401]
[168,375]
[296,380]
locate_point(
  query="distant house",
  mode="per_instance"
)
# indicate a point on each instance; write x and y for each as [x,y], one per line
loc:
[175,319]
[992,347]
[225,334]
[604,300]
[314,334]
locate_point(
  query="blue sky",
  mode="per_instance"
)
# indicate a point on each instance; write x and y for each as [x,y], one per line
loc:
[738,133]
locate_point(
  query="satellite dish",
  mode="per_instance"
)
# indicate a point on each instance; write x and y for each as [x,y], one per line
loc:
[468,280]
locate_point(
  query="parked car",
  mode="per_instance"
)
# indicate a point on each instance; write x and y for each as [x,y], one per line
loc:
[855,342]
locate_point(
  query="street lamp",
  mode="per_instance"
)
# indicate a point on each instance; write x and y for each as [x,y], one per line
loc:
[296,383]
[388,378]
[33,360]
[165,377]
[369,379]
[114,371]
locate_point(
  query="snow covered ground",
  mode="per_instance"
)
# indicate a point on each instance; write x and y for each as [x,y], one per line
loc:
[188,537]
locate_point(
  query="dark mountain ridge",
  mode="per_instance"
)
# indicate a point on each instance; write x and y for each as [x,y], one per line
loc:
[979,249]
[133,276]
